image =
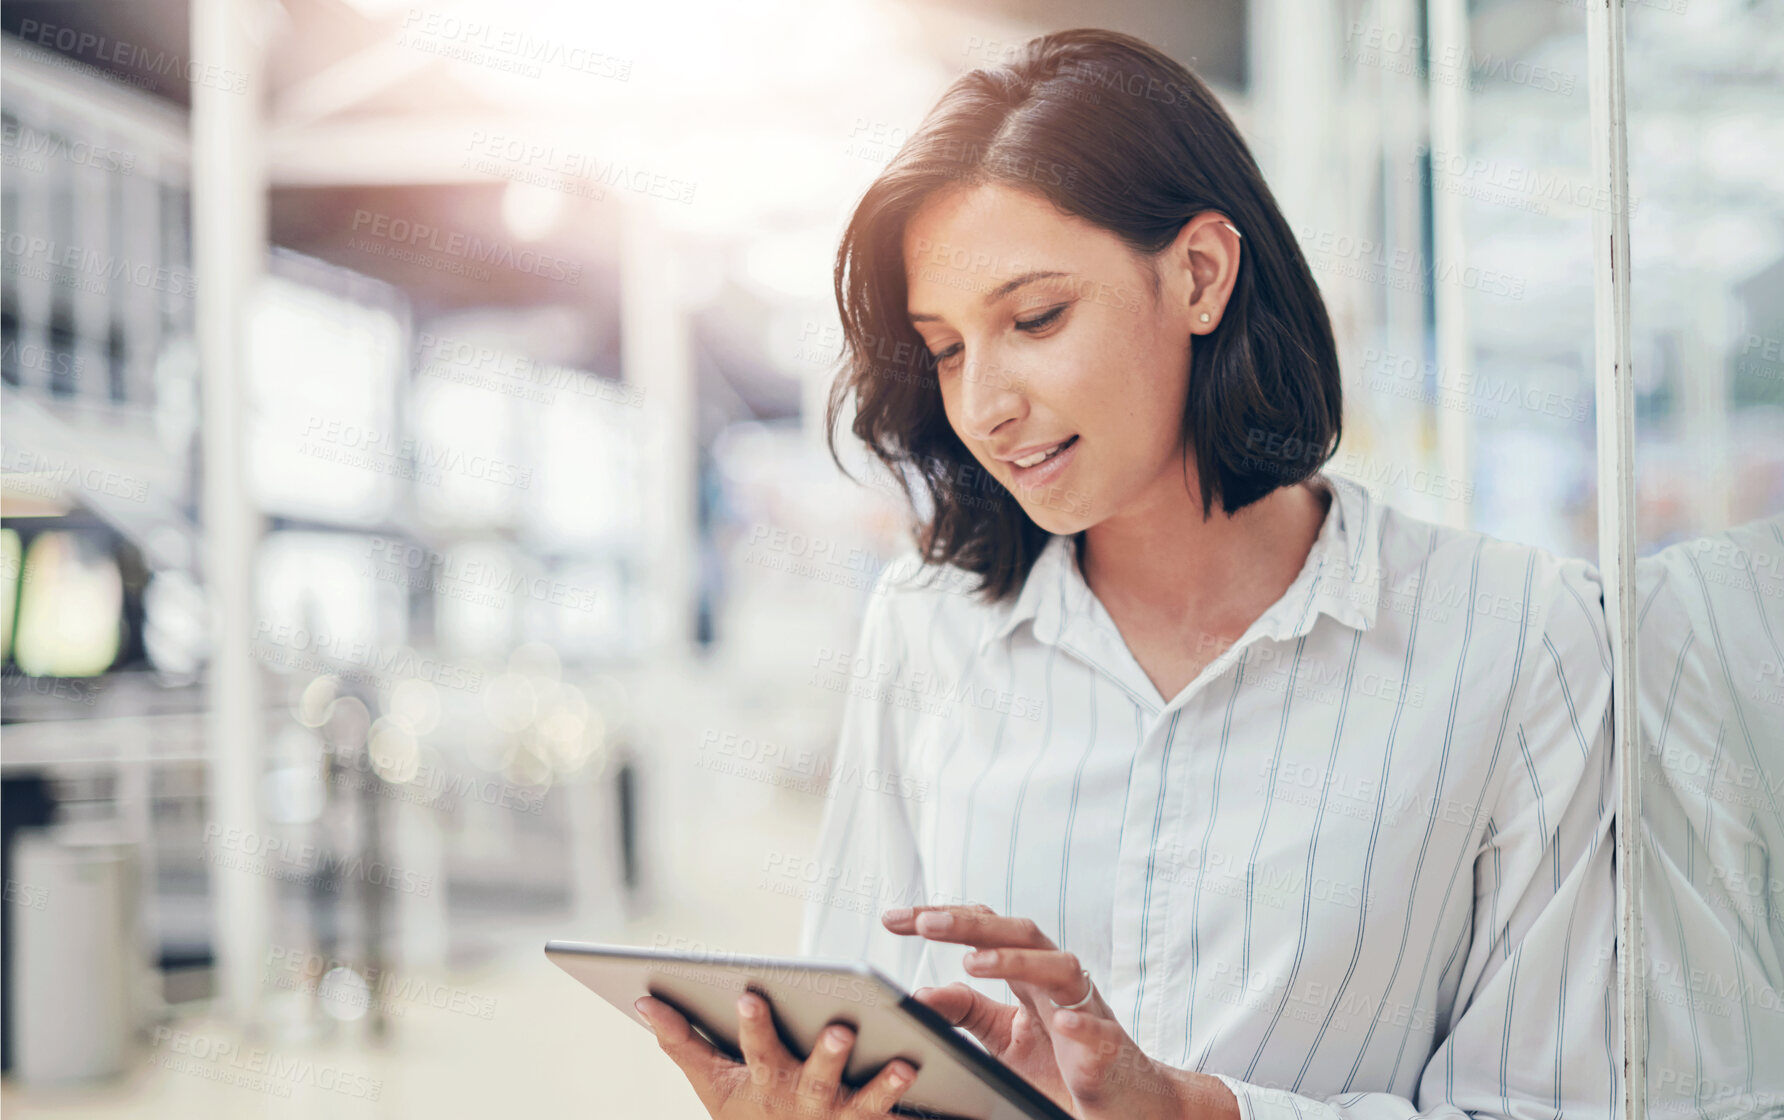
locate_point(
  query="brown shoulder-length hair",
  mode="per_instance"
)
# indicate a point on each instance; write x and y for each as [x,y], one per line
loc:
[1112,130]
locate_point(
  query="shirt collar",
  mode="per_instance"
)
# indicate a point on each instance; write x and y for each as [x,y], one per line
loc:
[1341,578]
[1054,571]
[1347,584]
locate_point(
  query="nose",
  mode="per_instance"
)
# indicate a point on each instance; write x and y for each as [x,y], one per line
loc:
[987,399]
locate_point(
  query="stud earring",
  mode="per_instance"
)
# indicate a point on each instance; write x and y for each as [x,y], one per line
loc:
[1205,316]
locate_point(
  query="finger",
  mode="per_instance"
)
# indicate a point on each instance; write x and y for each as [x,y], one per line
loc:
[767,1057]
[877,1097]
[693,1055]
[971,1010]
[1053,973]
[1040,979]
[1099,1063]
[904,919]
[953,1002]
[821,1075]
[979,927]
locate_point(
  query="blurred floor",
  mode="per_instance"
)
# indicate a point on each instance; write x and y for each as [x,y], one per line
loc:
[547,1048]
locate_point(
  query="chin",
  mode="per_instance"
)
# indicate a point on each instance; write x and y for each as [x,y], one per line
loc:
[1060,516]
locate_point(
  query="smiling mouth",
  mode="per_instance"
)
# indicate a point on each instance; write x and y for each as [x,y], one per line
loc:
[1040,457]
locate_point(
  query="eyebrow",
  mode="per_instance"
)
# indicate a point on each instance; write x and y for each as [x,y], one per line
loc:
[995,294]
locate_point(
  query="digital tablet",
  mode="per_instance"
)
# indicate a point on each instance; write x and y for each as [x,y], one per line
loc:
[956,1078]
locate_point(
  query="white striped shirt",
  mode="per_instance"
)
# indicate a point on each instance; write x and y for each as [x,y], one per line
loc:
[1711,694]
[1361,866]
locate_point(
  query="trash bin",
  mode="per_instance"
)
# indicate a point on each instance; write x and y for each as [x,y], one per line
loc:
[71,912]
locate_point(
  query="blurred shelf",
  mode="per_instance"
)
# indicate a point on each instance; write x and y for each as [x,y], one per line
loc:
[123,692]
[120,718]
[98,743]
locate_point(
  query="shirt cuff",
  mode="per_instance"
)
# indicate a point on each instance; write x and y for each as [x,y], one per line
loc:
[1258,1103]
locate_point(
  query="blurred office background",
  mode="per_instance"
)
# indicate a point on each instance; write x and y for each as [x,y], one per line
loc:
[470,360]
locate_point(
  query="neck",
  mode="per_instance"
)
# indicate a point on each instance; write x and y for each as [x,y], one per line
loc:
[1213,576]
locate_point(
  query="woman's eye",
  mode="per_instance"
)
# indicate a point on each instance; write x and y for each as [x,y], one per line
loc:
[1038,323]
[1041,321]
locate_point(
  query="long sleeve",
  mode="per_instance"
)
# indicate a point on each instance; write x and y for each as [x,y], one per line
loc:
[1533,1031]
[866,855]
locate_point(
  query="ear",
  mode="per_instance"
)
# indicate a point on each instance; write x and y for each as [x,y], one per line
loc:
[1204,262]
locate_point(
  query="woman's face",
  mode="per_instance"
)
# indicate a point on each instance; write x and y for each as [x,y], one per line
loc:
[1059,370]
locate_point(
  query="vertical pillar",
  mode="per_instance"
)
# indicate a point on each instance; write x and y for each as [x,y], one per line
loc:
[1704,390]
[1449,134]
[1615,395]
[1295,55]
[656,353]
[229,244]
[1405,138]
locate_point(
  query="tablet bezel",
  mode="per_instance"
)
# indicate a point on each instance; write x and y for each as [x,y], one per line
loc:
[1008,1084]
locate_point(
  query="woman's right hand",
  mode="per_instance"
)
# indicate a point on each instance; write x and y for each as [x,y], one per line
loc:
[770,1083]
[1009,1031]
[1014,1033]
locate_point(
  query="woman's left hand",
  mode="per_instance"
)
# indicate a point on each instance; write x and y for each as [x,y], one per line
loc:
[1108,1076]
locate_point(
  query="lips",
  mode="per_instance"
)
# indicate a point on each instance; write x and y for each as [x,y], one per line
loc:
[1041,455]
[1047,463]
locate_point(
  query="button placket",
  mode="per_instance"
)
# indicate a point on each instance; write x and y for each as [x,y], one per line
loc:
[1161,969]
[1131,874]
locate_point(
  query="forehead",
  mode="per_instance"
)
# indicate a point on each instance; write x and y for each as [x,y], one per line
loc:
[964,241]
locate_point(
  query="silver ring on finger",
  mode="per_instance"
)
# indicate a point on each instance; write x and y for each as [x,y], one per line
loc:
[1089,990]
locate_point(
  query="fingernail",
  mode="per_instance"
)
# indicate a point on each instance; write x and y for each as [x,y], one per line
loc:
[901,1075]
[936,921]
[638,1006]
[921,992]
[835,1039]
[746,1006]
[900,914]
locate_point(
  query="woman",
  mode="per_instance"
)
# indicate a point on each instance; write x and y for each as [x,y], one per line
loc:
[1249,797]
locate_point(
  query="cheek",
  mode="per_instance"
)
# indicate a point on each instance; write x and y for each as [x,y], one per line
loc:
[1133,391]
[1155,380]
[1139,415]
